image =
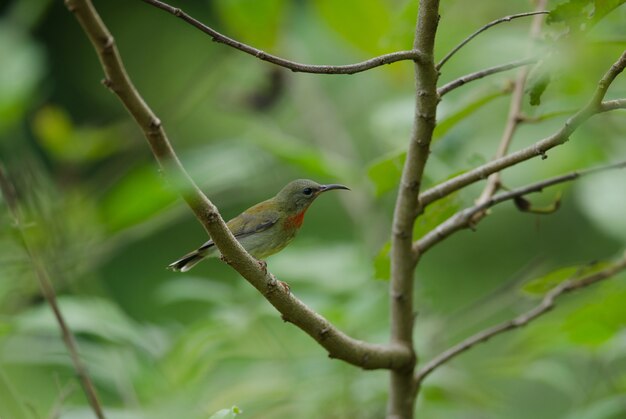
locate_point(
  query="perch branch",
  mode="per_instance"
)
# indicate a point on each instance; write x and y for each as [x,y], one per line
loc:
[47,289]
[338,344]
[466,218]
[414,54]
[484,28]
[547,304]
[448,87]
[593,107]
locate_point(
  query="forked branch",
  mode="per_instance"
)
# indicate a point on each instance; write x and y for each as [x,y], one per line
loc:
[593,107]
[465,218]
[483,29]
[338,344]
[514,117]
[413,55]
[461,81]
[545,306]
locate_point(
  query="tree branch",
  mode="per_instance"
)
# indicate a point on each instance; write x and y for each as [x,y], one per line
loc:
[414,55]
[484,28]
[401,398]
[611,105]
[515,115]
[338,344]
[448,87]
[466,218]
[47,290]
[545,306]
[593,107]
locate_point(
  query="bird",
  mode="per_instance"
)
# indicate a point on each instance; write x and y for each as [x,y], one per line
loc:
[267,227]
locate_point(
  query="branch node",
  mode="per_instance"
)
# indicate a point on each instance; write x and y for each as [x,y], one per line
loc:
[155,123]
[106,82]
[324,333]
[401,234]
[69,4]
[177,12]
[107,44]
[398,296]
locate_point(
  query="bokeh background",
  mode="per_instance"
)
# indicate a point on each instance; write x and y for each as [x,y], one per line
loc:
[161,345]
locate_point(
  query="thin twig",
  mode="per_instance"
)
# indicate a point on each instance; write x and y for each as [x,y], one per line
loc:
[448,87]
[339,345]
[413,55]
[611,105]
[47,289]
[593,107]
[484,28]
[465,218]
[514,117]
[545,306]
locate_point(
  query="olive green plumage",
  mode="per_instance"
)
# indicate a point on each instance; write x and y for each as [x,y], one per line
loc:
[267,227]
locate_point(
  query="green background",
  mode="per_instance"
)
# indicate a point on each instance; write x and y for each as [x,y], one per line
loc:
[160,344]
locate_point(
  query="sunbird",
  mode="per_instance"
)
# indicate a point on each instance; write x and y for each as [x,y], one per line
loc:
[267,227]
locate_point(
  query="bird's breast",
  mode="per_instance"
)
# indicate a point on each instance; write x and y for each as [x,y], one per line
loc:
[295,221]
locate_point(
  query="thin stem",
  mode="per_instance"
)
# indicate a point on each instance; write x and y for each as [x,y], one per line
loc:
[611,105]
[514,117]
[484,28]
[593,107]
[47,290]
[413,55]
[547,304]
[338,344]
[448,87]
[401,403]
[466,218]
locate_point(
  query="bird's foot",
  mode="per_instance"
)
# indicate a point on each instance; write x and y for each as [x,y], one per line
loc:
[223,259]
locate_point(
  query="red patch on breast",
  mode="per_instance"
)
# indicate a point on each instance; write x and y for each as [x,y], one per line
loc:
[295,221]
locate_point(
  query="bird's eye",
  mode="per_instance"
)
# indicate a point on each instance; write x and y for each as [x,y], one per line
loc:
[307,191]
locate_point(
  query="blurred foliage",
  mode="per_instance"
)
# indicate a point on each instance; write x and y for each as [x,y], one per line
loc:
[205,345]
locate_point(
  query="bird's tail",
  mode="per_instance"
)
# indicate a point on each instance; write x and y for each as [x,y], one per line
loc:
[187,262]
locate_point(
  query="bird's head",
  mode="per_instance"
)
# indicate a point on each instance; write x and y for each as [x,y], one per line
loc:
[297,195]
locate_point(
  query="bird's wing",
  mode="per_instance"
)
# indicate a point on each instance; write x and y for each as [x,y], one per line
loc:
[249,222]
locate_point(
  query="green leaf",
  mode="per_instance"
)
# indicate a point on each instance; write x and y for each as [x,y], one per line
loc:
[299,153]
[385,173]
[537,87]
[570,11]
[596,323]
[363,23]
[96,317]
[382,263]
[582,15]
[253,21]
[543,284]
[435,214]
[57,134]
[23,66]
[227,413]
[141,194]
[450,121]
[604,7]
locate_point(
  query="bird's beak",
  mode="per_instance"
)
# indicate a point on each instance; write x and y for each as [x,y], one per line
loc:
[325,188]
